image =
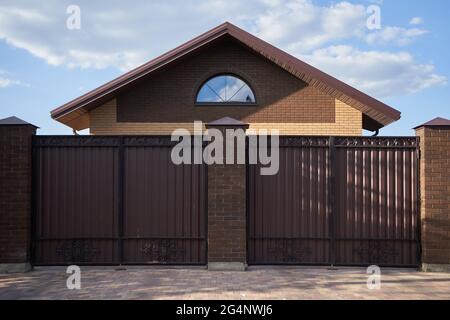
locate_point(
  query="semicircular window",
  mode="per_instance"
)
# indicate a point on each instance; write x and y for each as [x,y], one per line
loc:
[226,89]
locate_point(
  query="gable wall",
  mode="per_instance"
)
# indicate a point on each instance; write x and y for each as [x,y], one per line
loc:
[166,100]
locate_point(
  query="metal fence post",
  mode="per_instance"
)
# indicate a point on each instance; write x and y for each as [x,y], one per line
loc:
[121,198]
[332,200]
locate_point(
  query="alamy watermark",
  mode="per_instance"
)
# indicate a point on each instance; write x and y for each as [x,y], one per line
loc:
[374,278]
[74,280]
[73,21]
[373,21]
[263,147]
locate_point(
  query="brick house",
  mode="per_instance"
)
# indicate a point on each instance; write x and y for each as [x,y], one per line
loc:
[114,197]
[183,85]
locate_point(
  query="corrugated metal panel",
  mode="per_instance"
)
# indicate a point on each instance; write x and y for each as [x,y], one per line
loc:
[111,200]
[76,208]
[164,208]
[377,205]
[342,201]
[288,212]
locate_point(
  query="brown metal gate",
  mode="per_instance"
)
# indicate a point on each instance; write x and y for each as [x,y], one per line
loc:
[116,200]
[337,201]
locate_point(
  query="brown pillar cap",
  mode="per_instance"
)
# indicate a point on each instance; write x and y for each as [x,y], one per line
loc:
[14,121]
[437,122]
[227,122]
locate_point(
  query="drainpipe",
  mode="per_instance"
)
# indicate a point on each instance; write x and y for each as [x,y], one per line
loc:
[377,132]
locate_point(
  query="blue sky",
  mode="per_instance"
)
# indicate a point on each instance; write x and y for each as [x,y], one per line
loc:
[404,64]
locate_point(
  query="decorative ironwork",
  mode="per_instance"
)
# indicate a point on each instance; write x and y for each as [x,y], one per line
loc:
[399,142]
[393,142]
[289,251]
[76,141]
[285,141]
[162,251]
[377,251]
[149,141]
[304,141]
[77,251]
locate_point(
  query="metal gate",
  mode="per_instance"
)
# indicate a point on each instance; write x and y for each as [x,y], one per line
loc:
[337,201]
[116,200]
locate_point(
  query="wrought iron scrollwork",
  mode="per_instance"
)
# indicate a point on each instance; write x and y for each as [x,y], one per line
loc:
[304,141]
[162,250]
[155,141]
[77,251]
[289,251]
[76,141]
[377,251]
[103,141]
[403,142]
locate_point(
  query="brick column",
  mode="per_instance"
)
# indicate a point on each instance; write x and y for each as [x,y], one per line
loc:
[15,194]
[227,246]
[435,194]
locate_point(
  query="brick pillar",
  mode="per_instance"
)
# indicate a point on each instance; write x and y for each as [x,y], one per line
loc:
[435,194]
[227,242]
[15,194]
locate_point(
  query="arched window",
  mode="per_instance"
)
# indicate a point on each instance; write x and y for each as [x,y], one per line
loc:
[225,89]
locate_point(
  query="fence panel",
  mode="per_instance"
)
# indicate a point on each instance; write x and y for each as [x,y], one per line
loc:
[377,208]
[339,201]
[116,200]
[288,213]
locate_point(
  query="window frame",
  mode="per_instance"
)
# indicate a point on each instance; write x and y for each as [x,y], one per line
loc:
[225,103]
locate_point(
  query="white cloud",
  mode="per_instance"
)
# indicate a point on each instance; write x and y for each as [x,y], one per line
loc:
[379,73]
[301,25]
[5,82]
[394,35]
[111,35]
[416,21]
[123,36]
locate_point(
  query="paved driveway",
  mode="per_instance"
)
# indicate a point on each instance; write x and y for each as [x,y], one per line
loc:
[197,283]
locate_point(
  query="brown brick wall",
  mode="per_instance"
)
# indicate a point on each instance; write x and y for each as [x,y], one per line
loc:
[435,194]
[169,96]
[227,241]
[15,193]
[226,213]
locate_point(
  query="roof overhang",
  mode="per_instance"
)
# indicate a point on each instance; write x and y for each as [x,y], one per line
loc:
[375,113]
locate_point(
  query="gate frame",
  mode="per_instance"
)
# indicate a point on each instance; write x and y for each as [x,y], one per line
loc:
[332,187]
[164,140]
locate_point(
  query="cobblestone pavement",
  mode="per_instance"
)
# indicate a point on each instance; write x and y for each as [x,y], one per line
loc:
[198,283]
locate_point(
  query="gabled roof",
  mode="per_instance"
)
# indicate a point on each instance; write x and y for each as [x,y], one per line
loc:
[436,122]
[376,113]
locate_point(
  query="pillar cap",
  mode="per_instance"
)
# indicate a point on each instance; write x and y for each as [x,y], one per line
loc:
[14,121]
[227,122]
[436,122]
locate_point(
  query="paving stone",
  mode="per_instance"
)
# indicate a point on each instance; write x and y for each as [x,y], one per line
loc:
[197,283]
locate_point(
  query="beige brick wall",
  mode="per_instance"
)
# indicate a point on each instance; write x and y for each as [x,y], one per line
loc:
[348,123]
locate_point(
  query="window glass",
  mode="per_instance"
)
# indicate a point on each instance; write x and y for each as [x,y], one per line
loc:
[225,89]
